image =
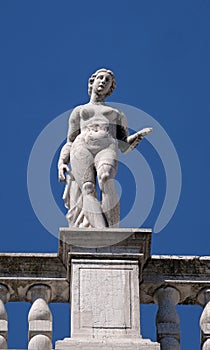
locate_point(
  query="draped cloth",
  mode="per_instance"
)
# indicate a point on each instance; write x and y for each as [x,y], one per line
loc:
[73,200]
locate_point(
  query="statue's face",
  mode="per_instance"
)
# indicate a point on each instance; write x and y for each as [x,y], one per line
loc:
[102,83]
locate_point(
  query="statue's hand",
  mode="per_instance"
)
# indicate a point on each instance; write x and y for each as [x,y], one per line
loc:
[144,132]
[138,136]
[135,139]
[62,169]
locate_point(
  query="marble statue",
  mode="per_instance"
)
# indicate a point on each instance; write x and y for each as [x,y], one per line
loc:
[96,131]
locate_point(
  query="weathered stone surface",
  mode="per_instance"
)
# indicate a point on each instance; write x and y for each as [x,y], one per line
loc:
[104,287]
[39,291]
[95,133]
[39,318]
[204,300]
[167,319]
[206,345]
[31,265]
[20,271]
[75,242]
[40,342]
[106,344]
[4,297]
[188,274]
[105,298]
[169,343]
[3,342]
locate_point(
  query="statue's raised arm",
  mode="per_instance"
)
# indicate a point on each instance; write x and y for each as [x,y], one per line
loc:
[96,131]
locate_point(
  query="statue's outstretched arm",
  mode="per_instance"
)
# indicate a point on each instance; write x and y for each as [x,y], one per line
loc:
[128,142]
[135,139]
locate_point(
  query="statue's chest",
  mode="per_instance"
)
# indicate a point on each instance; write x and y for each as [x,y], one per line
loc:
[89,114]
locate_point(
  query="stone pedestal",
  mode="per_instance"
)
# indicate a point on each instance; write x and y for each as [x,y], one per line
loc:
[104,274]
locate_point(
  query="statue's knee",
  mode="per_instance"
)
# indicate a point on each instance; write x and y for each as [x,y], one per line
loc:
[88,188]
[104,174]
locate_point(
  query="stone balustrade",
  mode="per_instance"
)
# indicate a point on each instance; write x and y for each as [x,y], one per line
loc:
[4,297]
[204,300]
[167,319]
[39,318]
[164,280]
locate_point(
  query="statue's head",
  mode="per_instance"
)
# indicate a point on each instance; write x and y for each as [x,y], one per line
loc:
[99,75]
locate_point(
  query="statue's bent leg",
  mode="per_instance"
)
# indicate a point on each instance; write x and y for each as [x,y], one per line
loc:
[110,200]
[91,206]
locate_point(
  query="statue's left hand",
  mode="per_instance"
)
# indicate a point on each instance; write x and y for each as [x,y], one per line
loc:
[144,132]
[138,136]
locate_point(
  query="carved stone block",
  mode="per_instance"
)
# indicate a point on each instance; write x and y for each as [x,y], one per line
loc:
[104,284]
[105,298]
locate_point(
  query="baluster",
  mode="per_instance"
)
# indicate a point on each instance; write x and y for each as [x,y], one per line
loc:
[4,297]
[167,319]
[204,300]
[40,318]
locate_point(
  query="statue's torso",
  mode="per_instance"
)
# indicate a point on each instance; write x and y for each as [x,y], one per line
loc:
[99,120]
[98,127]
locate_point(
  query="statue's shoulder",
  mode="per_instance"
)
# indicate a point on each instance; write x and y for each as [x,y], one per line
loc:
[75,112]
[77,109]
[120,114]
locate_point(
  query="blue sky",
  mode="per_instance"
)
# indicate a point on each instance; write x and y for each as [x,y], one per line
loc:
[160,53]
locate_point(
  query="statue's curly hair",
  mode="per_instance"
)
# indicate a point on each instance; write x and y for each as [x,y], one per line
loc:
[93,76]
